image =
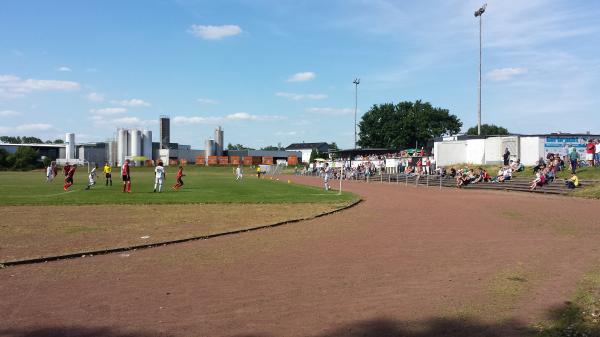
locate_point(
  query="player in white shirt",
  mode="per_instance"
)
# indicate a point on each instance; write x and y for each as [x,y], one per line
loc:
[92,178]
[238,173]
[326,172]
[160,174]
[49,173]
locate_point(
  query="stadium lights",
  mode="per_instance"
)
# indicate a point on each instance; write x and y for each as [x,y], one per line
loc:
[479,14]
[356,83]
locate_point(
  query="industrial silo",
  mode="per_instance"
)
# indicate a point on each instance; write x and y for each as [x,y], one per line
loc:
[111,152]
[122,146]
[135,144]
[165,131]
[147,144]
[209,149]
[218,141]
[69,146]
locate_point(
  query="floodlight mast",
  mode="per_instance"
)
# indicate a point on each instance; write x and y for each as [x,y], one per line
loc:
[356,83]
[479,14]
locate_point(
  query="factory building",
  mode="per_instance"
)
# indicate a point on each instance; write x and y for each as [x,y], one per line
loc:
[133,144]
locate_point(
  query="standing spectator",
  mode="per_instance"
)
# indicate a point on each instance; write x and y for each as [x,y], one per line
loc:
[428,166]
[573,156]
[422,152]
[506,156]
[597,152]
[590,152]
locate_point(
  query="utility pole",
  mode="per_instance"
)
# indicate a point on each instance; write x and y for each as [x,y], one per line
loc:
[479,14]
[356,83]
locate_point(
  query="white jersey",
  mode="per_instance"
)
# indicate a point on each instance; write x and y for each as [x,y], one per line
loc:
[93,174]
[49,171]
[160,172]
[238,171]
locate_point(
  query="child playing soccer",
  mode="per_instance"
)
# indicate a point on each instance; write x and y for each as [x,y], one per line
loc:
[179,183]
[238,173]
[160,175]
[126,177]
[70,176]
[107,173]
[326,172]
[92,178]
[49,173]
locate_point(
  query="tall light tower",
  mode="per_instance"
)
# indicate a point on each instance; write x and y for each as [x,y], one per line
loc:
[479,14]
[356,83]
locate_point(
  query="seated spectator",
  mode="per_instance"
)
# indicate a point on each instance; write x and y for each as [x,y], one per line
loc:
[572,182]
[452,172]
[540,180]
[483,175]
[516,165]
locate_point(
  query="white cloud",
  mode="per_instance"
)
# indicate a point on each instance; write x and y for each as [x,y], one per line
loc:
[298,97]
[302,77]
[64,68]
[13,86]
[9,113]
[214,32]
[134,102]
[504,74]
[331,111]
[108,111]
[35,127]
[128,121]
[237,116]
[94,97]
[207,101]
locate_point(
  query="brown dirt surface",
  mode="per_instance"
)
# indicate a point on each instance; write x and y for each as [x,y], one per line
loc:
[405,262]
[41,231]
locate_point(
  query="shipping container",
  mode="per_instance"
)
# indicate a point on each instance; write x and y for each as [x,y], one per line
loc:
[234,160]
[267,160]
[247,161]
[292,160]
[223,160]
[212,160]
[200,160]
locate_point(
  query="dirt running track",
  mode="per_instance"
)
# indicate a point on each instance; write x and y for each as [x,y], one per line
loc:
[406,262]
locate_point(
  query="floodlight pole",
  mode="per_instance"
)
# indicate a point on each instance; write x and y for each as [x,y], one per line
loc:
[479,14]
[356,83]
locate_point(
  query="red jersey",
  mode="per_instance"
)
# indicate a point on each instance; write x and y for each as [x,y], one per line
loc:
[590,148]
[71,171]
[180,173]
[66,169]
[125,170]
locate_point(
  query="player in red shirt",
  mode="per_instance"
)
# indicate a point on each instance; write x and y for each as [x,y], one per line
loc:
[179,183]
[590,150]
[66,169]
[126,177]
[69,178]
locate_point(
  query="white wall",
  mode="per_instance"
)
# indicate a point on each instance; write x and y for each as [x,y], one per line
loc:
[493,150]
[450,153]
[532,148]
[475,151]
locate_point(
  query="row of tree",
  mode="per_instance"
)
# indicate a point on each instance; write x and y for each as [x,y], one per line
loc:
[406,124]
[28,140]
[24,158]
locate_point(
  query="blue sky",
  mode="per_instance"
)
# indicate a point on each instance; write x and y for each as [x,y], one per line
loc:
[281,71]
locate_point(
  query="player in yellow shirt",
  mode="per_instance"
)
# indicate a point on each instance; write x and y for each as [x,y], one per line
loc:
[108,173]
[572,182]
[258,171]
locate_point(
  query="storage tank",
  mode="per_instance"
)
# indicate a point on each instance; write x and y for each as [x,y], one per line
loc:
[219,141]
[147,144]
[135,144]
[69,146]
[111,151]
[209,149]
[122,146]
[165,131]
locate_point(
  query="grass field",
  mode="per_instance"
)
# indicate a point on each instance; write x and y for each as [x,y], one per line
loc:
[202,185]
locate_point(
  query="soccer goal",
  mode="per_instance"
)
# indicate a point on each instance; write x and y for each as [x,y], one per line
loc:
[78,162]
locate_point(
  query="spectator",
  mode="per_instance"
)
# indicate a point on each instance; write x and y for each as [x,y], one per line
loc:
[572,182]
[540,180]
[590,152]
[573,156]
[452,172]
[597,155]
[506,156]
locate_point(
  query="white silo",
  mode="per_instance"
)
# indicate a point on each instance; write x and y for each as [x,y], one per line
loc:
[135,144]
[122,146]
[218,141]
[69,146]
[209,149]
[147,144]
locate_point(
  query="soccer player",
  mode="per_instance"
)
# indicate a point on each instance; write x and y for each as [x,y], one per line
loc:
[66,169]
[92,178]
[160,174]
[258,171]
[49,173]
[107,173]
[326,172]
[238,173]
[70,175]
[126,177]
[179,183]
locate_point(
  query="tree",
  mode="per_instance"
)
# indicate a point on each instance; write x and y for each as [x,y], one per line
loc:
[270,148]
[237,147]
[4,159]
[58,141]
[488,130]
[401,125]
[25,158]
[333,147]
[31,140]
[313,155]
[10,140]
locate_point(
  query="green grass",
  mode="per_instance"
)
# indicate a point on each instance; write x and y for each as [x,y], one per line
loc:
[202,185]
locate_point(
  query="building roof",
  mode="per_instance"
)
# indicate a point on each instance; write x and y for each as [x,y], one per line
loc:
[300,146]
[34,145]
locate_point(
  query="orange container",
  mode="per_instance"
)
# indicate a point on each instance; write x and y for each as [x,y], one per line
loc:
[256,160]
[247,161]
[200,160]
[234,160]
[292,160]
[223,160]
[267,160]
[172,162]
[149,163]
[212,160]
[183,162]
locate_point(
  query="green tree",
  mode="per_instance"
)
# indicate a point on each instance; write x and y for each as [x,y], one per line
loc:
[237,147]
[31,140]
[10,139]
[488,130]
[270,148]
[313,155]
[333,147]
[401,125]
[25,158]
[4,159]
[58,141]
